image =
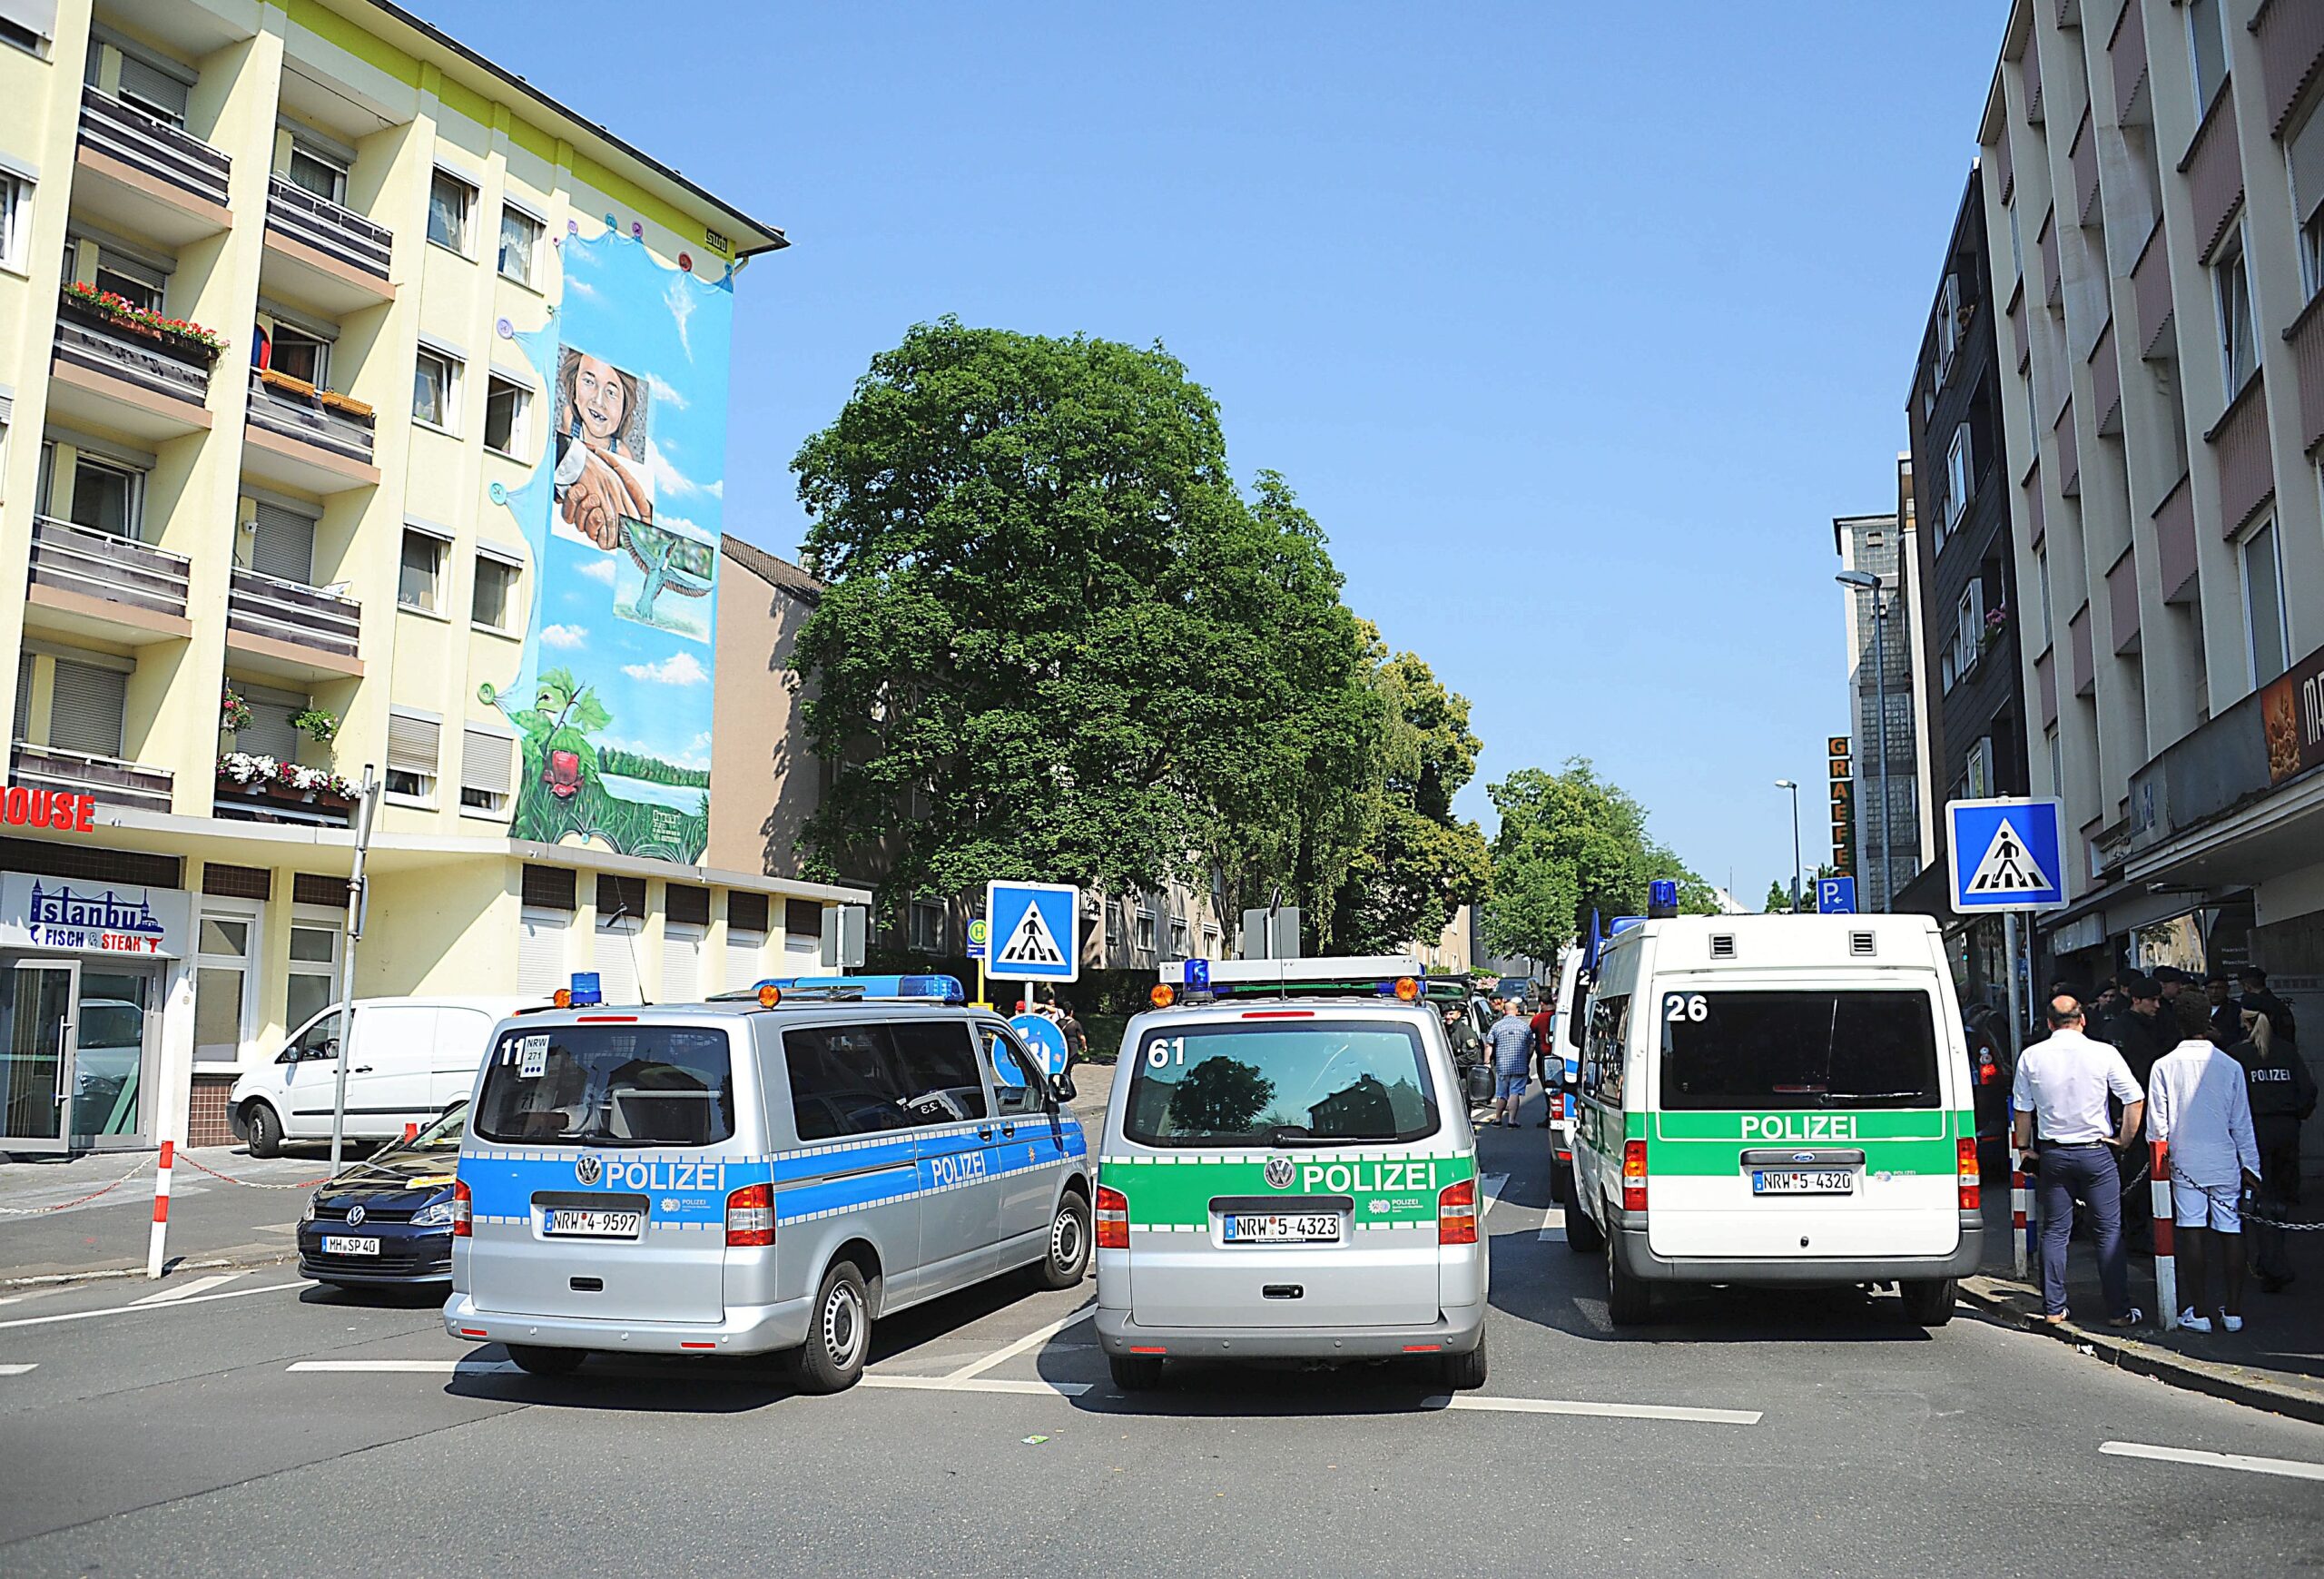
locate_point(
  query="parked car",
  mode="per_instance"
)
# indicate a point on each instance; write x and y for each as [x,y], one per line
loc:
[412,1058]
[388,1219]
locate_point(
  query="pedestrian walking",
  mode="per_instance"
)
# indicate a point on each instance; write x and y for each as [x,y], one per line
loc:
[1076,1040]
[2282,1095]
[2060,1094]
[1511,1041]
[2197,1105]
[1549,1062]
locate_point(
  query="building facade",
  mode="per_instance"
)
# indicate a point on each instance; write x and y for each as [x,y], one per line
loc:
[1879,631]
[2153,179]
[362,409]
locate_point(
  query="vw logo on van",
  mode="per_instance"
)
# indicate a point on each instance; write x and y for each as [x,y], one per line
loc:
[354,1217]
[588,1168]
[1279,1173]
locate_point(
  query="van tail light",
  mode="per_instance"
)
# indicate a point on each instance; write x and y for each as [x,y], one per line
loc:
[463,1210]
[1557,1106]
[1456,1213]
[1633,1176]
[750,1216]
[1968,1172]
[1113,1220]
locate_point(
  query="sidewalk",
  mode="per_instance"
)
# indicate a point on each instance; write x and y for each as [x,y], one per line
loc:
[2276,1362]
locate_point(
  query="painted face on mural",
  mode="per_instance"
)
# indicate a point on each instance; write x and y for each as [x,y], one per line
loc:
[602,399]
[600,483]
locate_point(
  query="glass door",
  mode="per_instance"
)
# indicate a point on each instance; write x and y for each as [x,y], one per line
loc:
[36,1076]
[109,1021]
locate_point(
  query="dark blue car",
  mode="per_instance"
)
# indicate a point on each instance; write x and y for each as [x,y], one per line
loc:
[388,1219]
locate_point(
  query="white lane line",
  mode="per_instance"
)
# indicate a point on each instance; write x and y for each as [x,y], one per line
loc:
[17,1370]
[976,1384]
[464,1368]
[149,1309]
[1033,1339]
[1612,1411]
[1554,1229]
[1492,1181]
[2298,1469]
[199,1286]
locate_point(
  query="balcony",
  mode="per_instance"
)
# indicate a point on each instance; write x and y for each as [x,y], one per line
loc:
[307,439]
[114,782]
[288,631]
[143,175]
[127,376]
[323,253]
[2306,336]
[2291,52]
[93,584]
[270,801]
[2150,288]
[2247,462]
[2213,167]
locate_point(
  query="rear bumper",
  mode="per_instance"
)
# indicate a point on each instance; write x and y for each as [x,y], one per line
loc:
[1456,1330]
[747,1329]
[1641,1262]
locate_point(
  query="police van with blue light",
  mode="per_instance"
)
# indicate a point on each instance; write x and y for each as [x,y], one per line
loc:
[769,1171]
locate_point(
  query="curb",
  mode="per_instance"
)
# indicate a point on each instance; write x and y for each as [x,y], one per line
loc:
[242,1260]
[2234,1384]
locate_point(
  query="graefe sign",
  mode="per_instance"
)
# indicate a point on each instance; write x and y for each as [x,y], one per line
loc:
[75,915]
[52,810]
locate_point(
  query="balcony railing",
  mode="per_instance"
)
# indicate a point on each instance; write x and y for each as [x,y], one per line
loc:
[2213,167]
[77,559]
[271,803]
[113,781]
[2306,336]
[2247,461]
[150,358]
[2151,287]
[286,611]
[328,227]
[308,419]
[153,146]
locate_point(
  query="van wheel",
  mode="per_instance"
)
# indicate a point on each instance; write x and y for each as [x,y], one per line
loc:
[1067,1261]
[535,1360]
[1582,1235]
[1929,1302]
[265,1130]
[1629,1301]
[1135,1373]
[1561,1184]
[839,1333]
[1465,1373]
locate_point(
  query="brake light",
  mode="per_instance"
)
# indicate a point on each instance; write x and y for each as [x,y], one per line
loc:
[1633,1176]
[463,1210]
[1456,1213]
[1968,1173]
[1557,1106]
[1988,1071]
[1113,1220]
[750,1216]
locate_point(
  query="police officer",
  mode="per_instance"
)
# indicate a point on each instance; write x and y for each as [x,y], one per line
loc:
[2283,1093]
[2256,997]
[2143,1033]
[2227,1019]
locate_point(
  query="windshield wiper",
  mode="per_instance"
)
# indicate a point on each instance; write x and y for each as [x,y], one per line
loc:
[1298,1135]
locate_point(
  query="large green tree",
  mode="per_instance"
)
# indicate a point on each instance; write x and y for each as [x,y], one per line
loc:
[1057,642]
[1570,843]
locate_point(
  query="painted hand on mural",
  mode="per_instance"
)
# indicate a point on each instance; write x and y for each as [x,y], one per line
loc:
[596,502]
[601,426]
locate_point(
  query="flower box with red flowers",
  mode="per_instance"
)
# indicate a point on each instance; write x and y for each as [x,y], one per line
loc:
[172,337]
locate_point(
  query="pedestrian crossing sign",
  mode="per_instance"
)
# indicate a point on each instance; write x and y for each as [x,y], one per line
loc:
[1035,932]
[2007,854]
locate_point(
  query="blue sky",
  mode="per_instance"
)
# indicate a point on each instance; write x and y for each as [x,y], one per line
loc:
[1573,325]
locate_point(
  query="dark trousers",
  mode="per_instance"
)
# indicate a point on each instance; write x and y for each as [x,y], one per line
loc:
[2086,1174]
[2278,1193]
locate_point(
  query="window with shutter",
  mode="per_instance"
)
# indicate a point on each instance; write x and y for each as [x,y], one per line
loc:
[283,545]
[269,733]
[551,887]
[152,90]
[21,719]
[540,949]
[85,707]
[487,768]
[412,744]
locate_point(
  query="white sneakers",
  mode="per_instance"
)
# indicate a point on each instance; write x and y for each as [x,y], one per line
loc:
[2194,1323]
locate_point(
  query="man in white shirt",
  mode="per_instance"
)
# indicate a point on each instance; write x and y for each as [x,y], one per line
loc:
[2060,1095]
[2198,1105]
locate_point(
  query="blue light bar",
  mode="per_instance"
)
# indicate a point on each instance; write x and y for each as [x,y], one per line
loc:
[927,988]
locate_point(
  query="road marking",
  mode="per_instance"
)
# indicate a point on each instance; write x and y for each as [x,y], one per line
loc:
[1614,1411]
[2298,1469]
[148,1309]
[976,1384]
[1494,1182]
[1554,1231]
[1033,1339]
[464,1368]
[199,1286]
[17,1370]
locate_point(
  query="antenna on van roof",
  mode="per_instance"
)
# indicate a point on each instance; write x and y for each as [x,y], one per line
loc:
[636,974]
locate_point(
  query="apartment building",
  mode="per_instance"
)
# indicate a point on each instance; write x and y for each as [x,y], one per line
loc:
[362,408]
[1962,581]
[1879,632]
[2157,169]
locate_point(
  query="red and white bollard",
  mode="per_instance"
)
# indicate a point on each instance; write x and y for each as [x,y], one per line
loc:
[161,1210]
[2166,1249]
[2021,1233]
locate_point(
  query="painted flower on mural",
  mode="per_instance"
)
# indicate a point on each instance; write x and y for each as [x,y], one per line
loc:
[121,310]
[247,768]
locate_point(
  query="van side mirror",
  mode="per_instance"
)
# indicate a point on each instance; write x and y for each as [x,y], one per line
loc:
[1061,1089]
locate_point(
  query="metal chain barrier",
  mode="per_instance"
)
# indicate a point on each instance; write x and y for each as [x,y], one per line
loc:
[2253,1217]
[250,1183]
[135,1168]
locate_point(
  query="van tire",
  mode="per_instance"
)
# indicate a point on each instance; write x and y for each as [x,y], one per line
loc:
[1582,1236]
[1928,1301]
[1135,1373]
[1465,1373]
[839,1333]
[535,1360]
[1629,1300]
[265,1130]
[1067,1261]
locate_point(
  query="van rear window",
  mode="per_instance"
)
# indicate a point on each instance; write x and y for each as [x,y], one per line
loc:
[1280,1084]
[1727,1049]
[608,1085]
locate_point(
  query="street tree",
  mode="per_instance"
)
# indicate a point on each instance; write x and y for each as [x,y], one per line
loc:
[1570,843]
[1779,898]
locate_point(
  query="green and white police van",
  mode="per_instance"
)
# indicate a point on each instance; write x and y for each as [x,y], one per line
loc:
[1780,1099]
[1288,1172]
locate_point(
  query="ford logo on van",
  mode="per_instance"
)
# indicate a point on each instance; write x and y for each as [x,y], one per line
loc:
[1803,1157]
[1279,1172]
[588,1168]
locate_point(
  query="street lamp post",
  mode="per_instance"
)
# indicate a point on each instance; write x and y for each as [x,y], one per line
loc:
[1865,581]
[1792,785]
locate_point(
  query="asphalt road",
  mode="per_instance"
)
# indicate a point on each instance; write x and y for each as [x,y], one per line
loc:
[1811,1432]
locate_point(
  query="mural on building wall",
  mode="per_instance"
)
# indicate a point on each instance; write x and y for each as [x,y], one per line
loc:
[613,697]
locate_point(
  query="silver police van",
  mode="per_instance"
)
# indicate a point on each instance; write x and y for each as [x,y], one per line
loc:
[1288,1172]
[766,1174]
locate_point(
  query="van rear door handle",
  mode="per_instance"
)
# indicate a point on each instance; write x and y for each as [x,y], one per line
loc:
[984,1131]
[1008,1130]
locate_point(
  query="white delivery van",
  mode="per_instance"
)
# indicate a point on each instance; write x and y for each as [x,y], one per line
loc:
[409,1059]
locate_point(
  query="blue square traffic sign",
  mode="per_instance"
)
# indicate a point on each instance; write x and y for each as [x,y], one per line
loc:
[2007,854]
[1836,896]
[1034,932]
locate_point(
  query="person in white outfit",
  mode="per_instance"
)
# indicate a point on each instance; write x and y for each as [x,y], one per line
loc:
[2197,1103]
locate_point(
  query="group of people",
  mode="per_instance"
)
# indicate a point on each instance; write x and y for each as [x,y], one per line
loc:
[1061,1014]
[1514,1044]
[2219,1079]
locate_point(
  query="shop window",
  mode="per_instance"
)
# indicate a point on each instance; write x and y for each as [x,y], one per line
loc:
[314,969]
[224,992]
